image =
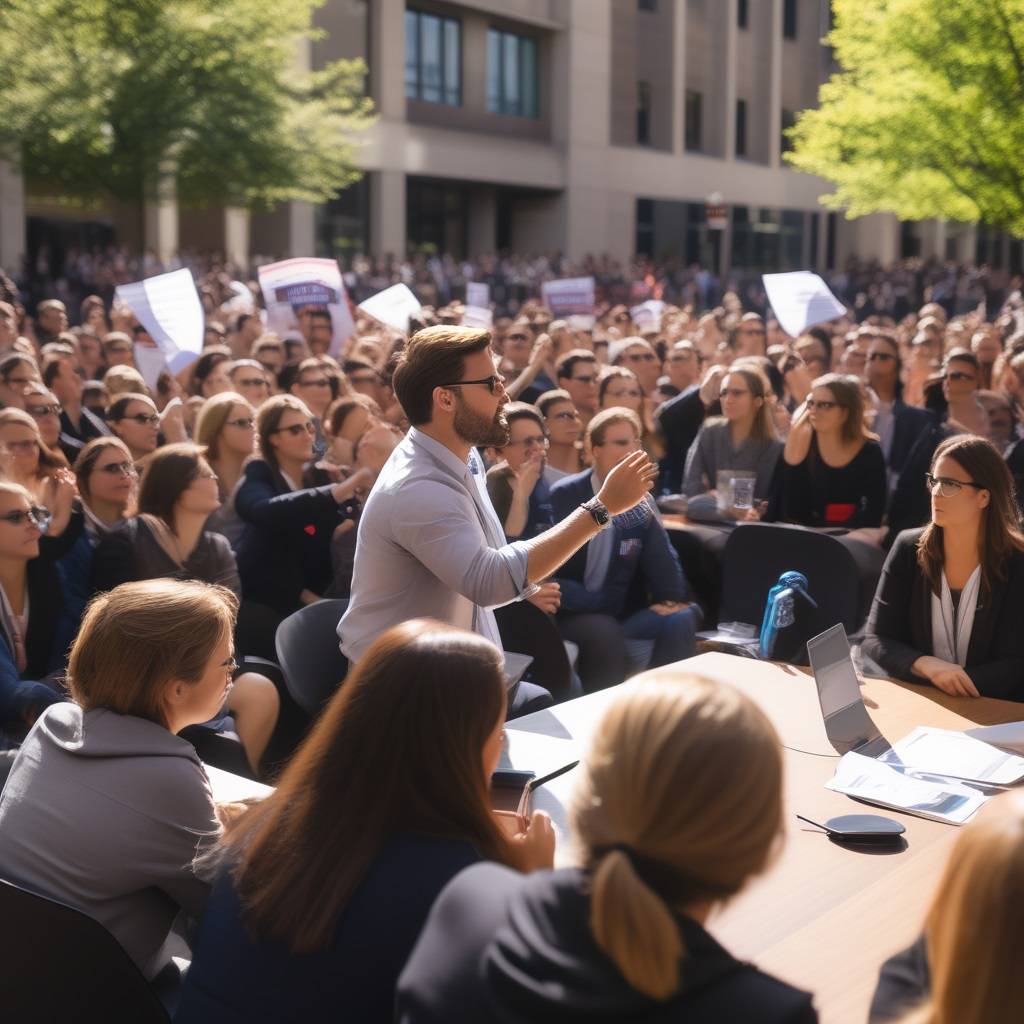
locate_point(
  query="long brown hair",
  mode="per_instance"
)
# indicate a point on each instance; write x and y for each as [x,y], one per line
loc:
[50,459]
[848,393]
[398,749]
[90,455]
[763,427]
[1000,522]
[270,414]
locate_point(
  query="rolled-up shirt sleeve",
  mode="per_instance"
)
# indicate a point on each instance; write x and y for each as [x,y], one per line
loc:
[439,525]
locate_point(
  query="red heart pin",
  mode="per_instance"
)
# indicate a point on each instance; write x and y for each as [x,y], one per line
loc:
[311,530]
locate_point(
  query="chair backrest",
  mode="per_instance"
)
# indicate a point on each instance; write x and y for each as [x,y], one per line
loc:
[756,554]
[59,964]
[525,629]
[308,653]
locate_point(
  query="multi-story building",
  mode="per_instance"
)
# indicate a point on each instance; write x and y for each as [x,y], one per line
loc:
[582,126]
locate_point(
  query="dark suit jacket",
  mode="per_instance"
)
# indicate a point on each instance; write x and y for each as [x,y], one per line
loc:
[73,440]
[679,419]
[903,983]
[286,546]
[899,629]
[909,423]
[644,550]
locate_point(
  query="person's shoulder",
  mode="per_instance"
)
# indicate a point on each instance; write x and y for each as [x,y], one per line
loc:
[776,1000]
[575,482]
[905,544]
[258,470]
[463,894]
[500,471]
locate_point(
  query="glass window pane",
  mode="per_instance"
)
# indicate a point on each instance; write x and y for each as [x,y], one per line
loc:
[430,57]
[412,54]
[493,71]
[452,59]
[511,69]
[528,49]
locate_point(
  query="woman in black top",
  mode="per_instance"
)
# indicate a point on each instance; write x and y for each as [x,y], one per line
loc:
[949,606]
[623,937]
[833,470]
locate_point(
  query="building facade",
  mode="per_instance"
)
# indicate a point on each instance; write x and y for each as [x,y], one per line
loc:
[579,126]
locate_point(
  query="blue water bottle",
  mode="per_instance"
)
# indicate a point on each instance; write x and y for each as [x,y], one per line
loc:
[779,611]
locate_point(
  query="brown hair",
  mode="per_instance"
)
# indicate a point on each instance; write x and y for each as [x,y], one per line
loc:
[340,410]
[679,802]
[398,749]
[168,473]
[1000,529]
[213,415]
[267,420]
[209,359]
[140,636]
[975,927]
[89,456]
[849,395]
[763,428]
[609,417]
[434,356]
[49,458]
[117,408]
[125,380]
[550,398]
[611,373]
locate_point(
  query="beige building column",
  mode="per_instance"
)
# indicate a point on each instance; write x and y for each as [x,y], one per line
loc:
[679,79]
[236,235]
[387,58]
[967,243]
[877,236]
[387,213]
[729,82]
[160,220]
[301,229]
[483,221]
[775,88]
[12,217]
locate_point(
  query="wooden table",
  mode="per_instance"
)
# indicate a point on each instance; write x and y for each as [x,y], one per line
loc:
[823,917]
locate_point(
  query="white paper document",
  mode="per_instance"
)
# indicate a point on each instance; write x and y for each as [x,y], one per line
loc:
[875,783]
[168,307]
[229,788]
[478,294]
[1007,736]
[955,755]
[800,300]
[569,295]
[393,307]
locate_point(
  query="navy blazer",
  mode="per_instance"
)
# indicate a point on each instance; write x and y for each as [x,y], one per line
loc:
[909,423]
[644,550]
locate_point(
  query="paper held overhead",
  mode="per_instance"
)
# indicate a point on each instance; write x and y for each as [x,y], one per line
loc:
[478,294]
[168,307]
[568,296]
[392,307]
[801,300]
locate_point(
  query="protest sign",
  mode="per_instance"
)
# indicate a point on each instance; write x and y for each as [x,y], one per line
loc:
[800,300]
[478,294]
[150,362]
[475,316]
[168,307]
[647,314]
[291,286]
[569,295]
[393,307]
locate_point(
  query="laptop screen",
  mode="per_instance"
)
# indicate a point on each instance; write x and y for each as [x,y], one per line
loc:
[838,686]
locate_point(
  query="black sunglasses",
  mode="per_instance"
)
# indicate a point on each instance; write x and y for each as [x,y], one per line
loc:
[296,428]
[492,383]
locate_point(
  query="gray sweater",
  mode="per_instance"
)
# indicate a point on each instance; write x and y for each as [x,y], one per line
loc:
[712,451]
[106,812]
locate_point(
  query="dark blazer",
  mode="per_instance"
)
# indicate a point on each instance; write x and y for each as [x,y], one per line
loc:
[909,423]
[910,504]
[286,545]
[679,420]
[73,439]
[236,979]
[518,948]
[644,550]
[903,983]
[899,629]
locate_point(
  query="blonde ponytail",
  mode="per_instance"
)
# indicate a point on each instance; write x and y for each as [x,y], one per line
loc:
[634,927]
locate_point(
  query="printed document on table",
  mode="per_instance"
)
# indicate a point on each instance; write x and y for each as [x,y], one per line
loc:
[955,755]
[875,783]
[1007,736]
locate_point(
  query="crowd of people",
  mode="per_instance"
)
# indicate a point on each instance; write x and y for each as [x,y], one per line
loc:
[449,484]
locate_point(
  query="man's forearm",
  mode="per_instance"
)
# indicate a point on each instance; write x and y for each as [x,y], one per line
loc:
[554,547]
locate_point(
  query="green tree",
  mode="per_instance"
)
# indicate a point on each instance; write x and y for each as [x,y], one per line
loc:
[925,117]
[104,98]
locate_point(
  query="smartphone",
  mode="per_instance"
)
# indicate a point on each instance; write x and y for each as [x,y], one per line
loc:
[512,779]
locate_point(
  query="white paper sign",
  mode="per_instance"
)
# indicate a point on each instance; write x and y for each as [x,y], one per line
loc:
[478,294]
[801,300]
[475,316]
[393,307]
[648,314]
[569,295]
[168,307]
[293,285]
[150,362]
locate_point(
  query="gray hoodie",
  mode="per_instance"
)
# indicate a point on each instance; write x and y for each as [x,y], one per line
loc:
[106,812]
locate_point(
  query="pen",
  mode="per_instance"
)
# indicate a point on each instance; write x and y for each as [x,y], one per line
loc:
[534,783]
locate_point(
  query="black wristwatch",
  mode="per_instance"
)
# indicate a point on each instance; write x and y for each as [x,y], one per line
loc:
[598,510]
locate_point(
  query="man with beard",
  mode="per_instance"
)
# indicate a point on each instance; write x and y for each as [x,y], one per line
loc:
[430,543]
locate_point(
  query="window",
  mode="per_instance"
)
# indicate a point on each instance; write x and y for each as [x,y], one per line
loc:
[741,128]
[789,19]
[693,130]
[511,74]
[741,13]
[788,120]
[433,58]
[643,113]
[647,5]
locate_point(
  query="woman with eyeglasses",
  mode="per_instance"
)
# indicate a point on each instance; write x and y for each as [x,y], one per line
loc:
[284,555]
[948,606]
[833,470]
[318,382]
[168,538]
[106,808]
[325,885]
[620,388]
[346,421]
[42,405]
[17,371]
[226,427]
[742,440]
[564,428]
[134,419]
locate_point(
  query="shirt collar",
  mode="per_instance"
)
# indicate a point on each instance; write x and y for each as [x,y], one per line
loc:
[448,459]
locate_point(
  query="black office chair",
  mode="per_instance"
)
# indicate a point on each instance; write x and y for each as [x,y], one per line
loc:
[525,629]
[756,554]
[58,964]
[309,656]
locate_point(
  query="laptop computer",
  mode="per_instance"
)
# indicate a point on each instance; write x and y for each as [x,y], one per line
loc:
[847,722]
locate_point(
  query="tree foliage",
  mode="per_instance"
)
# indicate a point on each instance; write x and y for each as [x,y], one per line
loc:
[925,117]
[103,97]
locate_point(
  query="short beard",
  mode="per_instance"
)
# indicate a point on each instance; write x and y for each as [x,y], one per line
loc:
[474,429]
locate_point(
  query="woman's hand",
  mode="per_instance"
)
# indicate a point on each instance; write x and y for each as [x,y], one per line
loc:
[548,598]
[172,422]
[58,494]
[945,676]
[535,844]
